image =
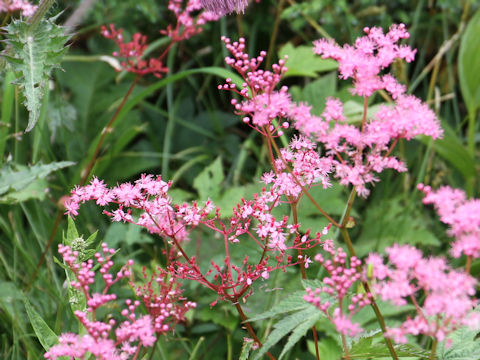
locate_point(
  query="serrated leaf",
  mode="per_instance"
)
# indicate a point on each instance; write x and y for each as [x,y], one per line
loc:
[16,178]
[72,232]
[208,182]
[372,346]
[465,346]
[293,302]
[246,347]
[299,332]
[45,335]
[303,62]
[36,51]
[468,64]
[287,325]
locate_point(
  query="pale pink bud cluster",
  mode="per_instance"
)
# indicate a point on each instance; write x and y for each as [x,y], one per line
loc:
[105,340]
[447,294]
[332,298]
[462,214]
[24,6]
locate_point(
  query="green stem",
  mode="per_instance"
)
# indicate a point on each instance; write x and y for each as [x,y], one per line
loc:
[42,9]
[250,329]
[433,353]
[276,26]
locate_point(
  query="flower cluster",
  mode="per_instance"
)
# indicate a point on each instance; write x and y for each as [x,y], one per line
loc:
[307,169]
[132,53]
[104,340]
[162,296]
[24,6]
[146,203]
[447,293]
[462,214]
[149,196]
[357,154]
[337,284]
[187,25]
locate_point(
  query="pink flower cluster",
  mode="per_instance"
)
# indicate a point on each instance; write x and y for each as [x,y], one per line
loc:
[357,154]
[337,284]
[307,166]
[364,61]
[448,294]
[146,203]
[462,214]
[132,53]
[162,296]
[148,195]
[187,24]
[104,340]
[24,6]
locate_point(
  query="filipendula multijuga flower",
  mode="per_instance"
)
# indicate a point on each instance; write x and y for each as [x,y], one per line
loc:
[358,153]
[342,274]
[443,297]
[462,214]
[146,203]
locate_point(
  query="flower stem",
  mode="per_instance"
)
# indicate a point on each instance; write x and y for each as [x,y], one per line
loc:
[249,328]
[433,353]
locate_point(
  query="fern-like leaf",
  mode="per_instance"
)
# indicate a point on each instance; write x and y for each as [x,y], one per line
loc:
[34,52]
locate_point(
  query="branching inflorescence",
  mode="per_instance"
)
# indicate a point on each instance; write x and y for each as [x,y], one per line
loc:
[110,339]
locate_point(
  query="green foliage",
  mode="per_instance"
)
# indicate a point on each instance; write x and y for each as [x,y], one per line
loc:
[465,345]
[303,62]
[45,335]
[372,346]
[20,183]
[36,51]
[469,66]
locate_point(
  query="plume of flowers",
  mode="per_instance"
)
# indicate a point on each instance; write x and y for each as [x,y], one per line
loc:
[409,277]
[342,275]
[146,203]
[462,214]
[107,340]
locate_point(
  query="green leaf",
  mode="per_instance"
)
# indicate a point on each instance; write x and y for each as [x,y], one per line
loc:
[468,64]
[465,346]
[36,51]
[299,332]
[246,347]
[44,334]
[303,62]
[293,302]
[373,346]
[208,182]
[316,92]
[289,324]
[20,183]
[328,349]
[452,150]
